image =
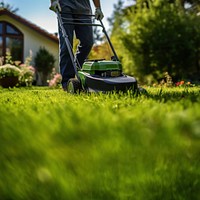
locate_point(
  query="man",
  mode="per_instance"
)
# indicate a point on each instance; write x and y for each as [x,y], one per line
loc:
[68,10]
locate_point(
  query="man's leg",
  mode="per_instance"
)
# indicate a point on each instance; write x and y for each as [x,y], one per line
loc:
[65,62]
[85,35]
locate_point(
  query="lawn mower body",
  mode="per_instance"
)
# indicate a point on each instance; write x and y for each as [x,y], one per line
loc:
[103,75]
[97,75]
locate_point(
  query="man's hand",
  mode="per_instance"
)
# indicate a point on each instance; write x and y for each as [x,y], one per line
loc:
[55,6]
[99,14]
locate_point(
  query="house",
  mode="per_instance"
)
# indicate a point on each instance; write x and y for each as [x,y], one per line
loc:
[21,36]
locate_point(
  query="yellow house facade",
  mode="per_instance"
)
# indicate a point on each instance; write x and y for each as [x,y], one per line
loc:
[23,37]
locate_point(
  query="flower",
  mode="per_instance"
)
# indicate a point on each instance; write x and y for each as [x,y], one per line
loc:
[9,70]
[188,83]
[184,84]
[55,81]
[27,74]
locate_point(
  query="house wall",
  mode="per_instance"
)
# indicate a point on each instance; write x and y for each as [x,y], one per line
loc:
[34,40]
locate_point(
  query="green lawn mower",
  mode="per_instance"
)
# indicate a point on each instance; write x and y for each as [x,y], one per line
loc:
[97,75]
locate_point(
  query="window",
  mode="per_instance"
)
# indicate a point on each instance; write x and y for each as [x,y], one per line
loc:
[1,46]
[11,30]
[1,28]
[15,47]
[11,38]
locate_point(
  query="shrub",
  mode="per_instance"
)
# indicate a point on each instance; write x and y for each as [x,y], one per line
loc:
[9,75]
[55,79]
[161,38]
[44,62]
[27,74]
[9,70]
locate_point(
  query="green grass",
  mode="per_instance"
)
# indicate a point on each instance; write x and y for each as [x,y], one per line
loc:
[54,145]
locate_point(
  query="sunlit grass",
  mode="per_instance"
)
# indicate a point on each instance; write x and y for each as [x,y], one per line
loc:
[54,145]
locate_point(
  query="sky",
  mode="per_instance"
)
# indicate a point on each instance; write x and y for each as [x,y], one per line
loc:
[37,12]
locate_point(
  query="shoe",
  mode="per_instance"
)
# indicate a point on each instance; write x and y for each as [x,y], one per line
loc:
[64,89]
[64,86]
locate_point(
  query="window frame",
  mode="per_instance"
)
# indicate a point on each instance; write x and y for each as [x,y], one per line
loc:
[4,35]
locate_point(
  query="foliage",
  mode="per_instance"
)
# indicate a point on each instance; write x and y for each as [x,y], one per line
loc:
[9,75]
[8,57]
[9,70]
[187,5]
[8,7]
[160,37]
[28,72]
[44,61]
[98,146]
[25,72]
[116,20]
[118,25]
[55,79]
[97,34]
[101,51]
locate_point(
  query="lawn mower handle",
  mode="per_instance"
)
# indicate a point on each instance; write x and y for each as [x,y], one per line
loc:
[68,44]
[90,24]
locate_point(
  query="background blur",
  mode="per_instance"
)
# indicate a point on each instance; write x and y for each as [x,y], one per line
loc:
[38,12]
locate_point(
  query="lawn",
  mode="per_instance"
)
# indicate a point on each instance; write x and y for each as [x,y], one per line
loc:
[55,145]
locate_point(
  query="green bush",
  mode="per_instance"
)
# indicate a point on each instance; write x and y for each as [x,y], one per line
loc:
[44,62]
[9,70]
[27,75]
[161,38]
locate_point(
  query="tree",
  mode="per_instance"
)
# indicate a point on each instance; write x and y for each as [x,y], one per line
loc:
[116,20]
[187,5]
[102,50]
[117,23]
[8,7]
[161,37]
[44,63]
[193,6]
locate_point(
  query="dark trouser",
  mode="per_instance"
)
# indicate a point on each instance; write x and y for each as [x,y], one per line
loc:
[85,36]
